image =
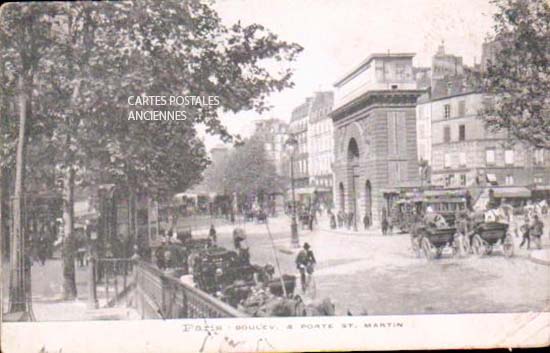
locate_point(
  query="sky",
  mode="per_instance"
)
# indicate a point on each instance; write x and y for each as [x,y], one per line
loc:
[338,34]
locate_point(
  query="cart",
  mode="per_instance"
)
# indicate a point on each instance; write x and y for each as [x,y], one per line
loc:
[433,241]
[489,235]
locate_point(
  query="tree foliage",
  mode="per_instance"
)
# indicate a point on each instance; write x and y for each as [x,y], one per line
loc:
[249,172]
[81,61]
[518,77]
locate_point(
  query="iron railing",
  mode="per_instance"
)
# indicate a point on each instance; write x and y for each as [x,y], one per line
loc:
[161,296]
[114,278]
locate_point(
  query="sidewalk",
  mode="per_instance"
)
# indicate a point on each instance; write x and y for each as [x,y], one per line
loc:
[48,304]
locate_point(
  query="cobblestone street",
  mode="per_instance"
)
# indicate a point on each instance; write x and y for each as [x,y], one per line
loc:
[378,275]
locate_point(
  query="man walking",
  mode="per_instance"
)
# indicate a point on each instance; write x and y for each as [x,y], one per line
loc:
[525,232]
[305,261]
[536,230]
[366,221]
[212,234]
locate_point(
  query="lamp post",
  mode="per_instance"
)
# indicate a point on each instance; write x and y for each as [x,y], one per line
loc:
[294,240]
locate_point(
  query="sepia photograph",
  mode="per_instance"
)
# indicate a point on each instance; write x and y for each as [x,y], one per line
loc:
[254,175]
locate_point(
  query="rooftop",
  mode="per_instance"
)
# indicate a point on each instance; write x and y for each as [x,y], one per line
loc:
[363,65]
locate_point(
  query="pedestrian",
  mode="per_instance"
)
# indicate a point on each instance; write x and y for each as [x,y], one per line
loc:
[384,225]
[160,256]
[332,221]
[340,218]
[238,237]
[311,219]
[525,232]
[366,221]
[350,220]
[212,234]
[305,262]
[536,230]
[390,224]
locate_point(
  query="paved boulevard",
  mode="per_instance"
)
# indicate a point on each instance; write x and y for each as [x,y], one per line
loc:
[378,275]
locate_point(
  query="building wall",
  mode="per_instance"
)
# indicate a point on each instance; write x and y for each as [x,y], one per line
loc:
[424,131]
[386,138]
[378,74]
[457,162]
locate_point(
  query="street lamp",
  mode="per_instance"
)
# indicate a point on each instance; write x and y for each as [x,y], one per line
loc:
[292,142]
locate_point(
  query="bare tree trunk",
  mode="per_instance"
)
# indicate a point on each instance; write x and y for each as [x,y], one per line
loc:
[69,280]
[17,297]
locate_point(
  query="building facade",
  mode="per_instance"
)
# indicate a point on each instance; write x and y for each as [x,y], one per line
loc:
[298,127]
[375,133]
[274,133]
[320,140]
[465,154]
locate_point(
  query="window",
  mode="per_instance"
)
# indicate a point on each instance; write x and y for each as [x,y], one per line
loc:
[450,180]
[462,159]
[461,132]
[462,179]
[447,111]
[539,156]
[447,134]
[462,108]
[393,86]
[509,157]
[490,156]
[509,180]
[447,160]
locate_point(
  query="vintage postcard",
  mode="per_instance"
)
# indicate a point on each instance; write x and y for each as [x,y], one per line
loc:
[269,176]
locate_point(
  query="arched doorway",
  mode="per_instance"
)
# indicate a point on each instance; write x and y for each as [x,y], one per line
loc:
[368,200]
[342,198]
[353,164]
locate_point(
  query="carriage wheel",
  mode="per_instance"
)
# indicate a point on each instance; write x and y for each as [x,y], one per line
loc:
[508,247]
[427,249]
[477,246]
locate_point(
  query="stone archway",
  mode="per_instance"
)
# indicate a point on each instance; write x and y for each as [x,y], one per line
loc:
[353,164]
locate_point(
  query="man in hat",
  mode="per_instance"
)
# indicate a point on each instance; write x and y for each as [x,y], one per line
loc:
[305,261]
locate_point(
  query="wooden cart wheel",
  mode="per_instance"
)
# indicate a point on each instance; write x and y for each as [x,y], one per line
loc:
[477,246]
[427,248]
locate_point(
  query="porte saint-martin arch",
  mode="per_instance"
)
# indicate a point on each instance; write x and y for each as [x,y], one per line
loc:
[375,134]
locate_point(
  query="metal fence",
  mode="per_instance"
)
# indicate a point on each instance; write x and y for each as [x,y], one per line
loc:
[162,296]
[113,278]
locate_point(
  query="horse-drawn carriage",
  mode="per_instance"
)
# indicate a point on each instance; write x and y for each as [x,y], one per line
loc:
[216,268]
[433,236]
[485,236]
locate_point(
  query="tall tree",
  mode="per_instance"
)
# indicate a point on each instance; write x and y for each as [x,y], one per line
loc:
[25,42]
[102,58]
[250,173]
[518,77]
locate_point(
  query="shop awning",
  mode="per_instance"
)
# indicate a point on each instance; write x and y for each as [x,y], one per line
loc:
[511,192]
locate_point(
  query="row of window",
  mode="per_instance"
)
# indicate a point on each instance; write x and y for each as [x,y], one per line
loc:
[448,113]
[461,133]
[321,127]
[462,180]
